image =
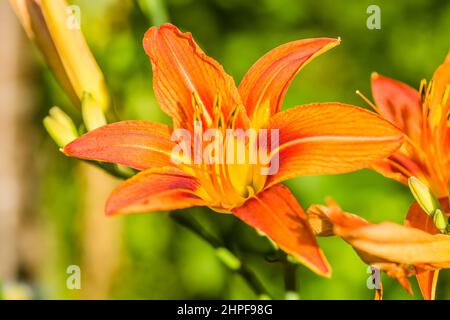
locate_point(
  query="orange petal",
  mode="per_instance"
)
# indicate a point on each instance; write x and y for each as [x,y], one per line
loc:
[400,167]
[277,213]
[156,189]
[389,247]
[324,218]
[390,242]
[181,69]
[137,144]
[441,81]
[399,104]
[417,218]
[379,292]
[427,280]
[390,170]
[269,78]
[400,244]
[331,138]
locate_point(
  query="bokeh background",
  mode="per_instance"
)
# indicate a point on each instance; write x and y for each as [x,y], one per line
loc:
[51,207]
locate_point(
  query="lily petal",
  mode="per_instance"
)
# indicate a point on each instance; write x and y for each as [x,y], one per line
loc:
[400,167]
[156,189]
[181,70]
[400,244]
[399,104]
[427,280]
[389,246]
[269,78]
[330,138]
[137,144]
[441,83]
[417,218]
[277,213]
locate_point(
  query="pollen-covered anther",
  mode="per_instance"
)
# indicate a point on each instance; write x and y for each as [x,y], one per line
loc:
[422,90]
[231,123]
[219,119]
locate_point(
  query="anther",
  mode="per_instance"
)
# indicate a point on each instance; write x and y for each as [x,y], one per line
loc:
[422,90]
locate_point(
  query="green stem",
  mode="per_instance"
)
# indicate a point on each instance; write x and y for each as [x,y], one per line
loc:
[241,268]
[155,10]
[290,278]
[193,225]
[112,169]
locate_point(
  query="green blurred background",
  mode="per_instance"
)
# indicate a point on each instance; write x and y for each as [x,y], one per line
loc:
[148,256]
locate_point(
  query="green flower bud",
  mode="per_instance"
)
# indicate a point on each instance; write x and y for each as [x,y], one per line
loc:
[60,127]
[440,220]
[423,196]
[92,113]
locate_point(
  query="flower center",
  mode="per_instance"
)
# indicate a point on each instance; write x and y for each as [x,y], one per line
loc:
[225,160]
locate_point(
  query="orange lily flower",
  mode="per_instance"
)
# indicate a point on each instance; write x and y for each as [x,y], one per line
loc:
[423,116]
[391,247]
[196,92]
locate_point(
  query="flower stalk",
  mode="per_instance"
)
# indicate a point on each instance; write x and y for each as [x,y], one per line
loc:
[224,254]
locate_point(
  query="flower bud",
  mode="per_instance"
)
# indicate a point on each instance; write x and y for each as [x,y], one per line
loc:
[60,127]
[423,196]
[440,220]
[92,113]
[63,47]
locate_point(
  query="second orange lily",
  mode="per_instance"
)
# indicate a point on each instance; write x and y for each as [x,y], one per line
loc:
[192,88]
[423,116]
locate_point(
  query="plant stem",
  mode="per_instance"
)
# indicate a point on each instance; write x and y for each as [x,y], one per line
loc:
[193,225]
[112,169]
[290,279]
[242,268]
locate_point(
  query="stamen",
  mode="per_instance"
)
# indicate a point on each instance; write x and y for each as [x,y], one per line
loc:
[430,88]
[217,104]
[372,105]
[415,146]
[422,90]
[200,108]
[233,116]
[446,95]
[399,167]
[220,122]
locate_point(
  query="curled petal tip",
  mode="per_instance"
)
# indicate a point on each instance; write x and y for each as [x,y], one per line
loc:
[374,75]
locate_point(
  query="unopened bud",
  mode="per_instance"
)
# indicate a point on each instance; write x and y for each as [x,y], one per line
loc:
[92,113]
[423,196]
[440,220]
[60,127]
